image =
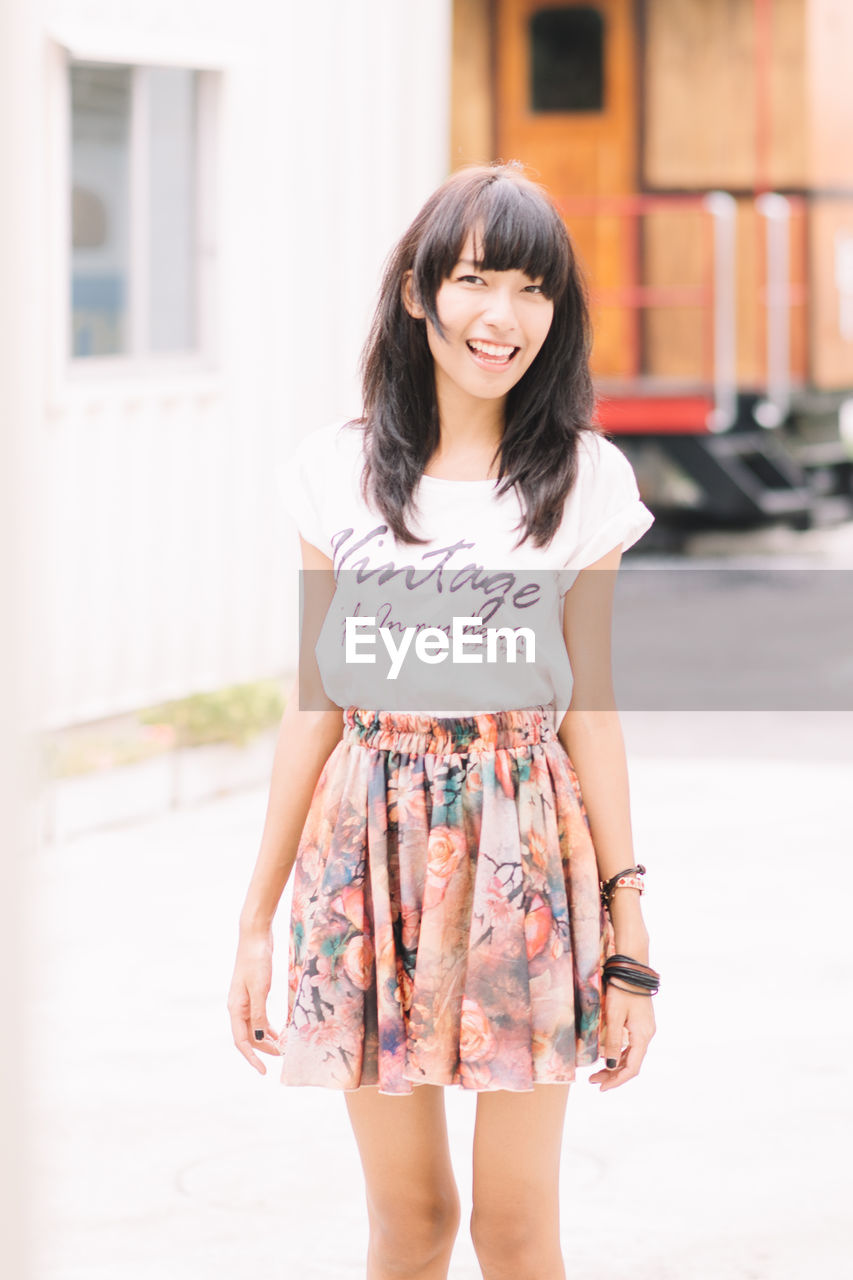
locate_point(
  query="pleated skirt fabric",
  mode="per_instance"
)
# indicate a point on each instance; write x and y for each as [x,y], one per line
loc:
[446,924]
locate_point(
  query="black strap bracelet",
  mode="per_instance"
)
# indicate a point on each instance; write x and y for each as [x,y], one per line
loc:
[628,959]
[646,970]
[625,970]
[635,964]
[635,975]
[640,977]
[635,991]
[635,986]
[643,991]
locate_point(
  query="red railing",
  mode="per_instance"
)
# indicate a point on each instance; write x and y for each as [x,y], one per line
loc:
[712,401]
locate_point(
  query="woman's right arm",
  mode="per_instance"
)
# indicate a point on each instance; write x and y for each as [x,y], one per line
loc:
[306,739]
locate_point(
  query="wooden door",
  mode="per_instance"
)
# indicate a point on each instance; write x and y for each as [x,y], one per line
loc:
[566,108]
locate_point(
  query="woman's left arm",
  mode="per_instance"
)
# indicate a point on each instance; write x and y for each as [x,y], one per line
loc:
[592,736]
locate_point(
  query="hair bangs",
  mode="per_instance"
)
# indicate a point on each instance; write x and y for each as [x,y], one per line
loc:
[516,230]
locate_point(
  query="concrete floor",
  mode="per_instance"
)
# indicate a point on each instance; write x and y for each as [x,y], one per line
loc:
[158,1152]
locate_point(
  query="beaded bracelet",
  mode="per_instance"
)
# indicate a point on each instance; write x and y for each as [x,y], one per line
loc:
[627,879]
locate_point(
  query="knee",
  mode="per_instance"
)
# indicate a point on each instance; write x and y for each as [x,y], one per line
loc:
[406,1236]
[516,1243]
[500,1235]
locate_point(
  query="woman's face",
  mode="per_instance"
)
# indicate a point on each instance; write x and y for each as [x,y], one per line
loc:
[494,322]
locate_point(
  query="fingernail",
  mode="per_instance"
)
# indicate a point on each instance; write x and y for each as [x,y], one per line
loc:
[611,1062]
[259,1035]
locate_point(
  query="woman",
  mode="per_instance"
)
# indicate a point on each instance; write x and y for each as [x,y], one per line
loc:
[465,901]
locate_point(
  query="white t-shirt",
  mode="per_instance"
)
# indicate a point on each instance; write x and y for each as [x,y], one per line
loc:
[467,568]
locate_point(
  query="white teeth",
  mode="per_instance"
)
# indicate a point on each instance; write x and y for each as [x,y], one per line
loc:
[491,349]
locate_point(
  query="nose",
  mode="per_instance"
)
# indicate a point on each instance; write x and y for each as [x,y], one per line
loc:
[499,309]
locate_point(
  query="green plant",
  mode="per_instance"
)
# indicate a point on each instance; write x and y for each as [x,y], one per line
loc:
[236,714]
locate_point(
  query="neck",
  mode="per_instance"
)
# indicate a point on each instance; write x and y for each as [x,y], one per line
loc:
[470,430]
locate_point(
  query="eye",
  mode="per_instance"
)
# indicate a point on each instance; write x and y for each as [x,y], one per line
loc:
[534,288]
[474,278]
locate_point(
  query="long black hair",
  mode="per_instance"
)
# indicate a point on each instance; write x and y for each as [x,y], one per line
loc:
[518,228]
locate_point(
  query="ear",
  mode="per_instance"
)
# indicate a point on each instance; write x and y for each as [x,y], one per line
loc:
[414,308]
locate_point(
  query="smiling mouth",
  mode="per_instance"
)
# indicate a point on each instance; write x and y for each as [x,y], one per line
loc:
[492,353]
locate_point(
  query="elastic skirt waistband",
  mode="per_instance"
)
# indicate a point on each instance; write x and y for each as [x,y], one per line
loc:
[420,733]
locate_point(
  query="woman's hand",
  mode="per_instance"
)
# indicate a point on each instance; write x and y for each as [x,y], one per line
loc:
[247,998]
[627,1015]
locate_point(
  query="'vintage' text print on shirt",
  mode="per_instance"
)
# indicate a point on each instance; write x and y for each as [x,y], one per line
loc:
[499,587]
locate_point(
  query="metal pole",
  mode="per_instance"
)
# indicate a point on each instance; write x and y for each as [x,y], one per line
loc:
[723,210]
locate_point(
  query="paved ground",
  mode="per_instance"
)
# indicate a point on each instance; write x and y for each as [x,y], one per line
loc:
[158,1152]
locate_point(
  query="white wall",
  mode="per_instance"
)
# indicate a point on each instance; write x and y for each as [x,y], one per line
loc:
[21,366]
[170,565]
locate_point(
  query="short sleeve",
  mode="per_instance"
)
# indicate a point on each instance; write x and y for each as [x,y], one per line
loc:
[299,484]
[609,510]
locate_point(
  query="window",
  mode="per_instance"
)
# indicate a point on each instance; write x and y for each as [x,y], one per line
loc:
[134,238]
[567,59]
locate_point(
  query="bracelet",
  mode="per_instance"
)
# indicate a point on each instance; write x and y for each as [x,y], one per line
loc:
[639,984]
[624,966]
[632,991]
[628,960]
[627,879]
[640,977]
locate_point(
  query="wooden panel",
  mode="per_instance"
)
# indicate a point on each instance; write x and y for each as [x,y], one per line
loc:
[677,341]
[750,311]
[787,107]
[831,298]
[676,255]
[725,93]
[579,153]
[699,93]
[830,92]
[705,125]
[471,103]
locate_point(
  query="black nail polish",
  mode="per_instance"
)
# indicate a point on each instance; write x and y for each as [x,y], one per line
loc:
[611,1062]
[259,1035]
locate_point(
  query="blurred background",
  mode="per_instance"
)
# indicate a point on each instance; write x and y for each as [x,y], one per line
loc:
[198,199]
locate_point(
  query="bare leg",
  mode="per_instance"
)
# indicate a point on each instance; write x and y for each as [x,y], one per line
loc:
[515,1222]
[412,1198]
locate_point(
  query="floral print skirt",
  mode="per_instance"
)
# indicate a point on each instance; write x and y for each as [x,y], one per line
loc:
[446,925]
